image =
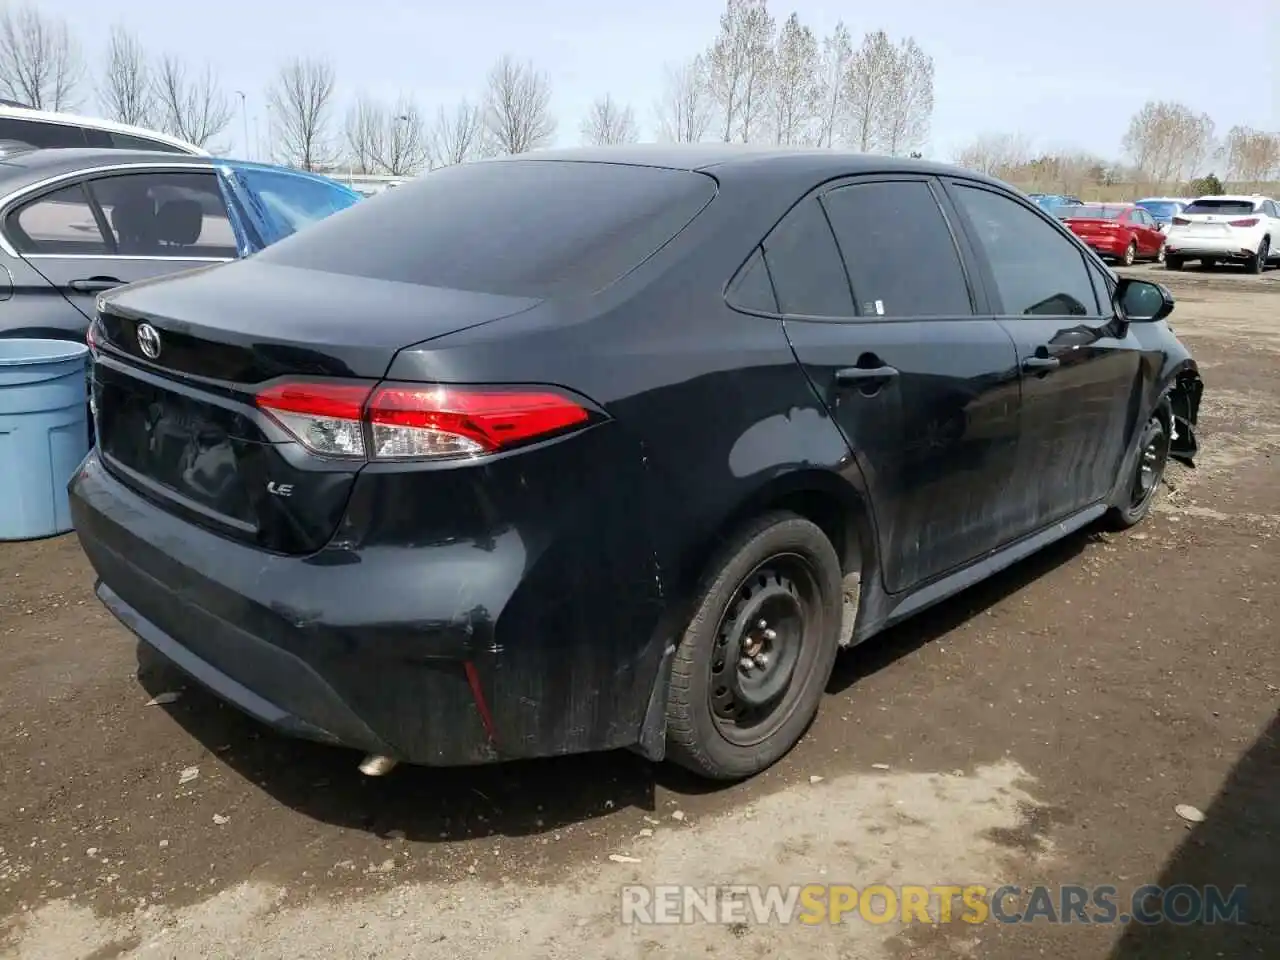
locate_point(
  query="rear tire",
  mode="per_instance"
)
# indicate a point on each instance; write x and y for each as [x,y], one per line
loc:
[1258,262]
[742,694]
[1130,254]
[1173,263]
[1160,254]
[1145,475]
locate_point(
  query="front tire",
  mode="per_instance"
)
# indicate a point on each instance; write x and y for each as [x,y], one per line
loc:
[750,671]
[1145,476]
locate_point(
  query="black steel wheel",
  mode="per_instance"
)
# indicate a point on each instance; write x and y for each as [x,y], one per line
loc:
[1147,472]
[750,671]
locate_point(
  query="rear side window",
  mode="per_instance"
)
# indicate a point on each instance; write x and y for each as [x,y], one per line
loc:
[751,289]
[899,251]
[42,135]
[530,228]
[61,222]
[804,263]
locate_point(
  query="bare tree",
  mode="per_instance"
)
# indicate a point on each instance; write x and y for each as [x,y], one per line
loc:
[301,100]
[125,92]
[995,154]
[740,64]
[402,148]
[518,106]
[40,64]
[1253,157]
[868,89]
[796,90]
[907,111]
[685,111]
[609,122]
[192,108]
[837,52]
[364,124]
[1168,142]
[457,135]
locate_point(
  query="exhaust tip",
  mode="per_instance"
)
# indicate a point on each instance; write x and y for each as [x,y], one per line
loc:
[376,765]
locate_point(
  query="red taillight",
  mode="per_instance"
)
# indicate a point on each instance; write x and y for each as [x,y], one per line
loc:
[1250,222]
[91,339]
[409,421]
[1181,221]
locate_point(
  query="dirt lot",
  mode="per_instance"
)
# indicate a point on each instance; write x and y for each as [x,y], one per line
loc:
[1040,728]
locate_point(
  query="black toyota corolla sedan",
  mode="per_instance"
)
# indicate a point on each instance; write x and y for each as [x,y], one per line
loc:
[610,448]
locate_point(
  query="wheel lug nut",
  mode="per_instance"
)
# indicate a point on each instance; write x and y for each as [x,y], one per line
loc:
[763,624]
[762,660]
[771,634]
[746,663]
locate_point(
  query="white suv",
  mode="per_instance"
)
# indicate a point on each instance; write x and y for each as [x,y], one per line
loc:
[42,130]
[1218,228]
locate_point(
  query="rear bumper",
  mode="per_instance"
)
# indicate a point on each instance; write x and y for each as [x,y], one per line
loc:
[1106,246]
[442,654]
[1226,248]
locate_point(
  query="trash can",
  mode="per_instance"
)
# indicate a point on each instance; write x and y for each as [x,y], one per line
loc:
[44,433]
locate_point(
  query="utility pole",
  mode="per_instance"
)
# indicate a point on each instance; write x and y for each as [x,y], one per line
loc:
[244,119]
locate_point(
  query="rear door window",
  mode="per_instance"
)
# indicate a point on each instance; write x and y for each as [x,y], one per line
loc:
[164,214]
[804,263]
[899,251]
[527,228]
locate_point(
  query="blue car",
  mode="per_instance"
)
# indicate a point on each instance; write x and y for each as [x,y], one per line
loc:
[82,221]
[1164,209]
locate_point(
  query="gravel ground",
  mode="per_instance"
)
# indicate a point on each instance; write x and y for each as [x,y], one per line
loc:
[1038,729]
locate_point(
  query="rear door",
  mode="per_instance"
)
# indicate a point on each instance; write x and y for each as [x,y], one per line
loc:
[101,231]
[879,310]
[1080,363]
[1150,239]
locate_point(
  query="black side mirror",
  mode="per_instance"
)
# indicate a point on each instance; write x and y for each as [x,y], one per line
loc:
[1141,301]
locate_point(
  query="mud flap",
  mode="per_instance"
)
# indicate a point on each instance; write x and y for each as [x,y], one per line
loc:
[652,744]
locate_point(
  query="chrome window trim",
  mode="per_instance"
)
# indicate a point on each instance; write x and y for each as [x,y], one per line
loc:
[10,200]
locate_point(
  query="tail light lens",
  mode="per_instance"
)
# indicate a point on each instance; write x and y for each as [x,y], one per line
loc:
[1181,222]
[91,338]
[406,421]
[1248,222]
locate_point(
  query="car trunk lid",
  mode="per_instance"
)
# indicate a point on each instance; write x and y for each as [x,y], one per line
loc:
[182,427]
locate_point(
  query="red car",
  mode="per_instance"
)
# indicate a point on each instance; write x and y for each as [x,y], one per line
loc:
[1123,232]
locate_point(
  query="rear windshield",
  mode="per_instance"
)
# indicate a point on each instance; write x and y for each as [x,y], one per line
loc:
[526,228]
[1161,208]
[1091,211]
[1224,207]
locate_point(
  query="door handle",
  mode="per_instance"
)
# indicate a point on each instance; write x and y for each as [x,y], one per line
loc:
[94,284]
[1040,364]
[857,375]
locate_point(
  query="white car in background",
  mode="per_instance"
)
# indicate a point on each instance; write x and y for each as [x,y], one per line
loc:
[1241,229]
[45,131]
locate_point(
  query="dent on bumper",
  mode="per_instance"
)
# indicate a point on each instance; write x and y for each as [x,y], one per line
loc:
[261,631]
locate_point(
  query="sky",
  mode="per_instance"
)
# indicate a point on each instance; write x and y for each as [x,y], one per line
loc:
[1059,77]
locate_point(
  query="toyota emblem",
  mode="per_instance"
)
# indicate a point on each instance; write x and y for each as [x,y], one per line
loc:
[149,340]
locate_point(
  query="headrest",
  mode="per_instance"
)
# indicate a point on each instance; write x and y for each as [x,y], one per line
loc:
[134,220]
[180,221]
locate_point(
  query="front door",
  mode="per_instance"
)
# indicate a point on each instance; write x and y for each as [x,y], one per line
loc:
[94,234]
[1079,361]
[925,390]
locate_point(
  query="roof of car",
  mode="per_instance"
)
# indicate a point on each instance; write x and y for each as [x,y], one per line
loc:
[705,156]
[22,111]
[20,169]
